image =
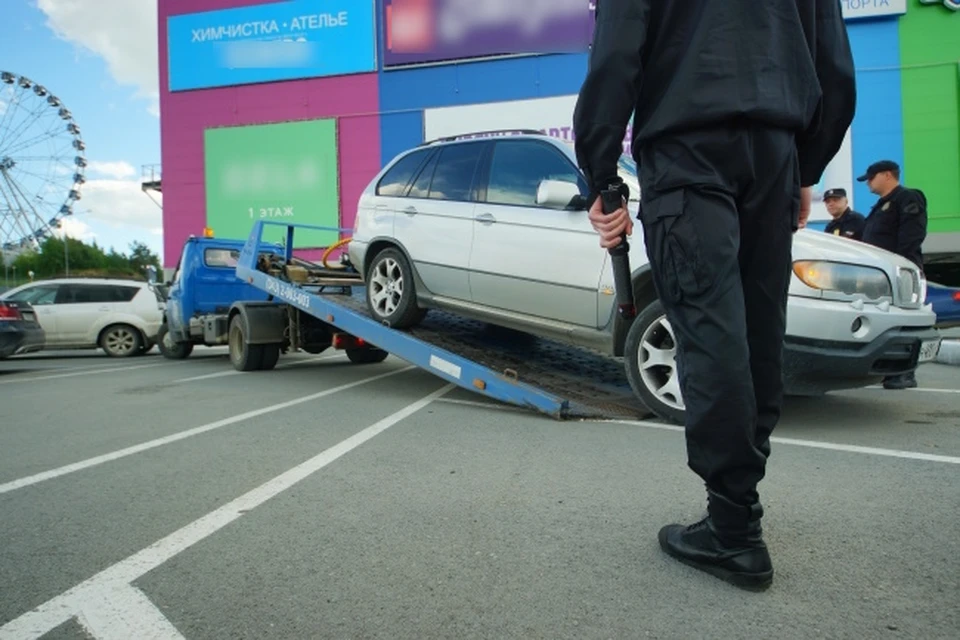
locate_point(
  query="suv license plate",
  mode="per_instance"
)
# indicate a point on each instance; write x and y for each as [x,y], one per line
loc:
[929,350]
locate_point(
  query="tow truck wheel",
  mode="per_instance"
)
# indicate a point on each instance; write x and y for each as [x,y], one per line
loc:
[270,357]
[243,356]
[650,362]
[391,295]
[170,349]
[366,355]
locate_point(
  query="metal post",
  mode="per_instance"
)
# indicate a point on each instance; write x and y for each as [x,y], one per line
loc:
[66,254]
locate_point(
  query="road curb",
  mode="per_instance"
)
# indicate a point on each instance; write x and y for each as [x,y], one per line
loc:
[949,353]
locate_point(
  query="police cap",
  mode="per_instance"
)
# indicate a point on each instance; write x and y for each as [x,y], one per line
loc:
[834,193]
[880,167]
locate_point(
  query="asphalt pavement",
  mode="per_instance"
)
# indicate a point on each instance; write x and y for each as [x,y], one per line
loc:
[143,498]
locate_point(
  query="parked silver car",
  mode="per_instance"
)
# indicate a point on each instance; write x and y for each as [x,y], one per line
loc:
[496,229]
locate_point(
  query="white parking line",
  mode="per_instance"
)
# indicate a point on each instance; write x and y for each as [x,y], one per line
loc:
[813,444]
[481,404]
[877,386]
[84,372]
[224,374]
[101,600]
[159,442]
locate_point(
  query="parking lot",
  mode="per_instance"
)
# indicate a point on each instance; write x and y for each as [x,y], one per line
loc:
[144,498]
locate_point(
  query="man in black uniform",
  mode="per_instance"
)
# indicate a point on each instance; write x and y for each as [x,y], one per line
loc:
[846,222]
[738,107]
[897,223]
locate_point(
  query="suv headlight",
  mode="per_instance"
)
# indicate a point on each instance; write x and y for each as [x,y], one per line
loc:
[849,279]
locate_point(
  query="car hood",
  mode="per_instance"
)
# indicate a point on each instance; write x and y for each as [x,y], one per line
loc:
[817,245]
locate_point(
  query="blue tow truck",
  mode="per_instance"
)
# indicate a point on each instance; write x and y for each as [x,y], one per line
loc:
[261,301]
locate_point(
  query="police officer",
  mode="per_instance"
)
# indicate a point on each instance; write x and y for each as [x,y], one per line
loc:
[738,106]
[897,223]
[846,222]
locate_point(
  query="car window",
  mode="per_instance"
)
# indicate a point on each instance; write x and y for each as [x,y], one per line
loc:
[40,294]
[453,178]
[221,257]
[518,166]
[95,293]
[394,182]
[421,187]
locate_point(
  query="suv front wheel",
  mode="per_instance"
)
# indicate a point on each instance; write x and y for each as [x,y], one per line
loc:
[650,360]
[391,295]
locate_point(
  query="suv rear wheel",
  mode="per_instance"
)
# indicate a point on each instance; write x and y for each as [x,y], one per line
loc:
[391,294]
[121,341]
[650,360]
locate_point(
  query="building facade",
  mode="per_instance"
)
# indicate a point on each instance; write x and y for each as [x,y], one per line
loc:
[285,110]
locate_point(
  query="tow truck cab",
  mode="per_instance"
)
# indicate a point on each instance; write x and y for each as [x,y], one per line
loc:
[200,294]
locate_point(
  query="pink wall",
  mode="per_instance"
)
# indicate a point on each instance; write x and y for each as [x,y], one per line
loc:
[185,115]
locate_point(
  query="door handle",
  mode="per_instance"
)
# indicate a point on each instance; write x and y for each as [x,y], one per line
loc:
[104,308]
[485,218]
[410,211]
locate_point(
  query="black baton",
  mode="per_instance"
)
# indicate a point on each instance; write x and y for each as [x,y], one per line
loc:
[620,257]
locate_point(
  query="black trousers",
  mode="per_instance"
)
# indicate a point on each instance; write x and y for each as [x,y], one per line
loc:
[718,210]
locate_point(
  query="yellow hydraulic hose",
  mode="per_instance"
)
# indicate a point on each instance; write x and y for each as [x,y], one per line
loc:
[331,249]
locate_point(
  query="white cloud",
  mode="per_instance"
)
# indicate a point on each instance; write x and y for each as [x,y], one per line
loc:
[122,206]
[117,170]
[122,32]
[77,229]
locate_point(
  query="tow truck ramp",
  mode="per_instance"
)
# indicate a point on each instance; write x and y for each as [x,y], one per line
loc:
[560,381]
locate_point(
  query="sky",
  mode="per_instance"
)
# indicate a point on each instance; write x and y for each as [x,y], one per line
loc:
[100,58]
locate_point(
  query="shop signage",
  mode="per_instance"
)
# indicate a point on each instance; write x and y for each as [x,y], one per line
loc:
[433,31]
[279,172]
[953,5]
[856,9]
[424,31]
[271,42]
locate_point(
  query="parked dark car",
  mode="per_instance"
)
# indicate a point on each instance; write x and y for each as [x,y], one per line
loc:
[946,304]
[19,330]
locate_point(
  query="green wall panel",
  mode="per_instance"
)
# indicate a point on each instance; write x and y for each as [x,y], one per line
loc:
[930,81]
[283,172]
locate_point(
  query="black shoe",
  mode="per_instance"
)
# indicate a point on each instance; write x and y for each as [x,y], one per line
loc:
[903,381]
[728,544]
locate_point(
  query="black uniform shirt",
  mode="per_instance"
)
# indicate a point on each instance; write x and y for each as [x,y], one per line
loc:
[898,223]
[687,64]
[849,225]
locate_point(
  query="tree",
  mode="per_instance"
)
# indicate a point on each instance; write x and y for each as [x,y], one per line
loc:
[141,256]
[85,259]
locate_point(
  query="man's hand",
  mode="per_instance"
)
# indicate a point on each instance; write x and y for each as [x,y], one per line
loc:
[806,202]
[610,226]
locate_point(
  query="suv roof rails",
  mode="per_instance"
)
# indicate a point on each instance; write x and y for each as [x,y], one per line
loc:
[471,134]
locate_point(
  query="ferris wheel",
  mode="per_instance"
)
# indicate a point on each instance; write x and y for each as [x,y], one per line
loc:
[42,163]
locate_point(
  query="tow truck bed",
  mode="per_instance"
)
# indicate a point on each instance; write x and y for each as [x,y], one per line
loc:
[562,381]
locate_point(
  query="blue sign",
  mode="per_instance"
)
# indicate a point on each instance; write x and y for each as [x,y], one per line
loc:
[271,42]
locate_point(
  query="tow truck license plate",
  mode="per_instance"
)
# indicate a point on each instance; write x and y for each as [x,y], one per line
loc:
[929,350]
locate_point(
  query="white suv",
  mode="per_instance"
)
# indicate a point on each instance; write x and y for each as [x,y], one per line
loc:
[496,229]
[122,317]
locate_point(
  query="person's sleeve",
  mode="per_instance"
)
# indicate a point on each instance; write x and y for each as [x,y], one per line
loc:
[834,64]
[913,227]
[609,92]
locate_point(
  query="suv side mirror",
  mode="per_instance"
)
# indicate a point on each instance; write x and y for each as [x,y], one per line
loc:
[560,194]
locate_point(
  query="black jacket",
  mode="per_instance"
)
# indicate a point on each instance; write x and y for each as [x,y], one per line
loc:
[848,225]
[685,64]
[898,223]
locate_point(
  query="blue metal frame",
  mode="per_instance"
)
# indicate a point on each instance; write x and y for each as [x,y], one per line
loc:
[442,363]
